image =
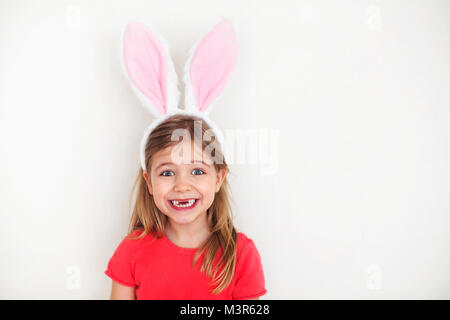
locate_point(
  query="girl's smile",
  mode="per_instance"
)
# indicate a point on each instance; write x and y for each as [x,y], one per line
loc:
[182,205]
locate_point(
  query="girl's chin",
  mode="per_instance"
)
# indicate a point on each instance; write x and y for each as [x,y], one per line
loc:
[180,221]
[183,217]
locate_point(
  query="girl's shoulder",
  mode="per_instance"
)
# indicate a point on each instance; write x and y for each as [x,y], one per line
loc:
[138,239]
[136,233]
[243,242]
[242,238]
[141,236]
[248,259]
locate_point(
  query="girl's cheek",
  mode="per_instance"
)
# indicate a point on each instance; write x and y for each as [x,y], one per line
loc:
[162,183]
[164,188]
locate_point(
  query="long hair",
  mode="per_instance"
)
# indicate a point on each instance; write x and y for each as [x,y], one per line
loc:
[148,217]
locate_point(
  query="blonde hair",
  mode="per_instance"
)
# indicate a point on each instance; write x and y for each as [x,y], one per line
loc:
[148,217]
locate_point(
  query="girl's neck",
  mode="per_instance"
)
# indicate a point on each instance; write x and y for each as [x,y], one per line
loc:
[192,235]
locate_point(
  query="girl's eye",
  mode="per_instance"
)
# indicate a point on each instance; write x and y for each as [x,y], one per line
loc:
[198,170]
[165,175]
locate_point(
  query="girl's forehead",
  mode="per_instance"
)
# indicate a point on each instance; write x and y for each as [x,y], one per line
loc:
[181,153]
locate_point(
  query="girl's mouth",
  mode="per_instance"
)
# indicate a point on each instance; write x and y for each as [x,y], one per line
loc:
[183,205]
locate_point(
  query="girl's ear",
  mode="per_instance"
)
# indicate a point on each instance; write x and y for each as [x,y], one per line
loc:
[148,182]
[149,68]
[210,64]
[221,174]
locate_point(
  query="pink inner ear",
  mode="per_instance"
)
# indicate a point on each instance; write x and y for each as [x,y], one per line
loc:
[146,63]
[212,63]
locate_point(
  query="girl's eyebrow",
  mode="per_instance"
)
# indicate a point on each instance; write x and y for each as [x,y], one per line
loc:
[171,163]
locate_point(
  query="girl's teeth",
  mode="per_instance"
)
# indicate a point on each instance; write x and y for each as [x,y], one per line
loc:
[187,204]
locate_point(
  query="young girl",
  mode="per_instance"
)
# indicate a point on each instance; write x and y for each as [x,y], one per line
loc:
[181,242]
[182,210]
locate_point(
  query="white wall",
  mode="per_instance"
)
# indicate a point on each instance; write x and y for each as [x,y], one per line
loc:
[357,91]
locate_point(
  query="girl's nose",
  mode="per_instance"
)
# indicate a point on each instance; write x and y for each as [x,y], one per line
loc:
[182,183]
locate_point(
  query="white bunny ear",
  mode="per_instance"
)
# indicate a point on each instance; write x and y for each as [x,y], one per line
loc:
[210,64]
[149,68]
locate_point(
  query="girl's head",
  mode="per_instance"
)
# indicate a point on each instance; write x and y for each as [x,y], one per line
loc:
[182,170]
[187,169]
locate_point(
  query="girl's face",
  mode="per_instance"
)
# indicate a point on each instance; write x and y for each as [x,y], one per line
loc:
[177,174]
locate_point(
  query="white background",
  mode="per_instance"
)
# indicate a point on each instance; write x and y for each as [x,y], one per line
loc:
[358,92]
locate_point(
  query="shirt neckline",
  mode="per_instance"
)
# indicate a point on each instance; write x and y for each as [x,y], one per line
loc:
[173,246]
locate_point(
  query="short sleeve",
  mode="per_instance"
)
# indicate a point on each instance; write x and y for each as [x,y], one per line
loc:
[121,265]
[250,282]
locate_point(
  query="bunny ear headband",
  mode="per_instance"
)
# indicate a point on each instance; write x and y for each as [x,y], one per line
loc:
[150,70]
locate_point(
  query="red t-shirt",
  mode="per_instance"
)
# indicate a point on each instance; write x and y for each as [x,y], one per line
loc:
[160,270]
